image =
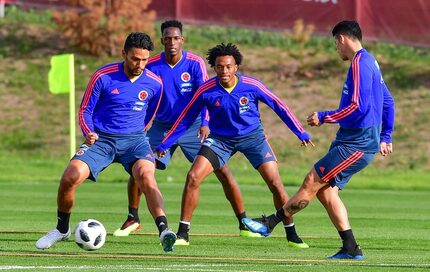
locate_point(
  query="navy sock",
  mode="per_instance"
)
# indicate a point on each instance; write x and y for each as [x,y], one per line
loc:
[133,214]
[348,240]
[239,218]
[183,230]
[291,233]
[63,221]
[161,223]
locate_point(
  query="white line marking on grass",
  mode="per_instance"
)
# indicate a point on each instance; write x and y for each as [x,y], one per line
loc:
[183,267]
[157,234]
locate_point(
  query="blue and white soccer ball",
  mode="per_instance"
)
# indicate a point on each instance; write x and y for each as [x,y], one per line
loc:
[90,234]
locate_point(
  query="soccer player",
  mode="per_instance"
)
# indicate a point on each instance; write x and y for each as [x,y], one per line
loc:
[366,119]
[119,101]
[235,125]
[182,72]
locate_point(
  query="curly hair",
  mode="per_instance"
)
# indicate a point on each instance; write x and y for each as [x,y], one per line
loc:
[224,50]
[171,23]
[138,40]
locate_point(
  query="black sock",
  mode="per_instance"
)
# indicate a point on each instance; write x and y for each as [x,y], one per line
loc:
[63,221]
[161,223]
[133,214]
[348,240]
[292,236]
[183,230]
[275,218]
[239,218]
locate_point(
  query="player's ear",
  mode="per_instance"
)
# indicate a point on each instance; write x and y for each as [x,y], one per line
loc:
[124,54]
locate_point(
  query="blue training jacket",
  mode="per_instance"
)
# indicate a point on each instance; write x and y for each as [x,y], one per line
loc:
[366,107]
[114,104]
[232,114]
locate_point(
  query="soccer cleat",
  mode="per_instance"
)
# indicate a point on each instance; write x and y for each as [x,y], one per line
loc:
[298,245]
[245,232]
[51,238]
[258,225]
[167,240]
[344,254]
[182,240]
[129,226]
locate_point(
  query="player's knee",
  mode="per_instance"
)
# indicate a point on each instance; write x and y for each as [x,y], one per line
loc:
[193,180]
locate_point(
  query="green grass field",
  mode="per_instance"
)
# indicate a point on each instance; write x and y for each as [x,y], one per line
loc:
[388,202]
[391,226]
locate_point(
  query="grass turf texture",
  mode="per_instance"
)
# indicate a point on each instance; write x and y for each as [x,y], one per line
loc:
[391,226]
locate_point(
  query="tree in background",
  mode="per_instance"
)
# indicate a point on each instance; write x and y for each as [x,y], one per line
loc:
[101,26]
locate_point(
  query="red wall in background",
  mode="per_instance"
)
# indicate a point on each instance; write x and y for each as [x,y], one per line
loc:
[400,21]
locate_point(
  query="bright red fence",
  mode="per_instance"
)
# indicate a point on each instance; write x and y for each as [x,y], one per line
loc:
[399,21]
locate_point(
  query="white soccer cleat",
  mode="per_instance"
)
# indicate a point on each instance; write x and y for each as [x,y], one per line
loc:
[167,239]
[51,238]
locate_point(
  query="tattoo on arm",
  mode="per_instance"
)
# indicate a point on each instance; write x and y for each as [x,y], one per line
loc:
[296,207]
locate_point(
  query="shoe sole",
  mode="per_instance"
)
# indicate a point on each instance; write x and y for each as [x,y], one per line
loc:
[349,257]
[125,232]
[250,234]
[182,242]
[169,242]
[298,245]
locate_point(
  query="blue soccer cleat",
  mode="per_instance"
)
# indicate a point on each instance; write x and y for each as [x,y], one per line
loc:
[343,254]
[260,226]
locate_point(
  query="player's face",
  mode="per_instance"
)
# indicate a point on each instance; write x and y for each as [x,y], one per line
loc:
[135,61]
[172,40]
[340,47]
[226,68]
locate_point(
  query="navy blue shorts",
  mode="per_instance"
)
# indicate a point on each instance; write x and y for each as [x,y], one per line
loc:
[189,142]
[340,163]
[254,146]
[110,148]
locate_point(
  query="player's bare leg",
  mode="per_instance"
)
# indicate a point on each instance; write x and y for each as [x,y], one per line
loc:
[270,173]
[132,223]
[75,173]
[144,175]
[336,210]
[200,169]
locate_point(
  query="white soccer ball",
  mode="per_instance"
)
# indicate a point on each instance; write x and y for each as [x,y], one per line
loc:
[90,234]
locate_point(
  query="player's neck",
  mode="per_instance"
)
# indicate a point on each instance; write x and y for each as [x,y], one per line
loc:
[173,60]
[354,50]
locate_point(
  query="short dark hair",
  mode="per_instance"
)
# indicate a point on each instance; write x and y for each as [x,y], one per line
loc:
[224,50]
[138,40]
[347,28]
[171,23]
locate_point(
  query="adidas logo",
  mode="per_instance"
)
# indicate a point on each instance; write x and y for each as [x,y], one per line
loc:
[115,91]
[322,169]
[268,155]
[217,104]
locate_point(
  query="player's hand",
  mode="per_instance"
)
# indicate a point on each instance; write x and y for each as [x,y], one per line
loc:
[385,148]
[160,153]
[308,142]
[203,133]
[313,120]
[91,138]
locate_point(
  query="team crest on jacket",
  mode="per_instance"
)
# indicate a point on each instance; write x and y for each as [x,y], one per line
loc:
[243,101]
[185,76]
[143,95]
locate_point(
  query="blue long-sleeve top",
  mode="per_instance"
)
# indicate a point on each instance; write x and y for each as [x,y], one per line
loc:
[366,102]
[232,113]
[113,103]
[180,81]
